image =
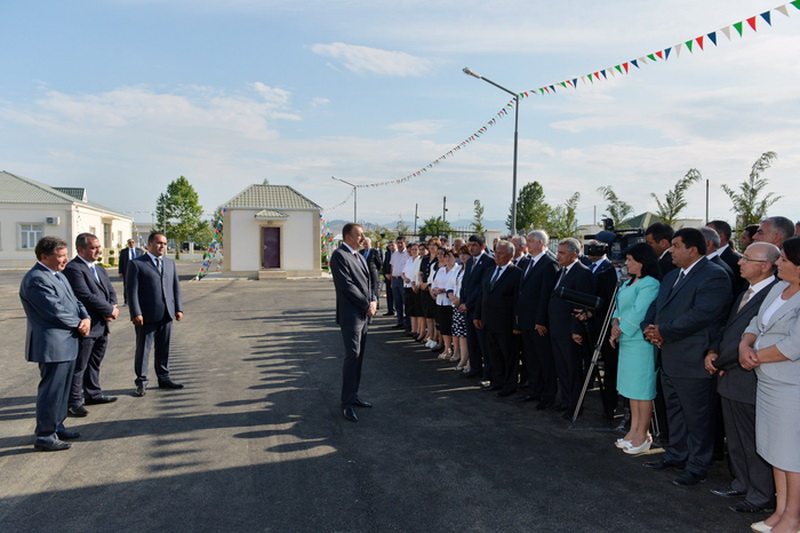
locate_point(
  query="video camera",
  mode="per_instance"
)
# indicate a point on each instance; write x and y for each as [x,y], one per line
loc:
[613,242]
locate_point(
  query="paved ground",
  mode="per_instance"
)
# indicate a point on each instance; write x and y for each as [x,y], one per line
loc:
[255,442]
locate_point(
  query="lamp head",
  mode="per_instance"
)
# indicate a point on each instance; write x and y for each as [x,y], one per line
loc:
[472,73]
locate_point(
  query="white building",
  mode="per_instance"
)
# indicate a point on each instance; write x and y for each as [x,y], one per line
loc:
[271,231]
[29,210]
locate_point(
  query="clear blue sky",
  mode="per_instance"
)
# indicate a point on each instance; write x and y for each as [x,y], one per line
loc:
[124,96]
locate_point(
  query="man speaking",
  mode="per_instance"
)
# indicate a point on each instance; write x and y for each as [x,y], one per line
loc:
[356,303]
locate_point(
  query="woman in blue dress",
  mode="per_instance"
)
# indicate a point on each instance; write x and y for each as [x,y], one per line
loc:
[636,376]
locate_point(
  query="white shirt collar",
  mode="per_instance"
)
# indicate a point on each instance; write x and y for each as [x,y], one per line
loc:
[348,247]
[53,272]
[690,267]
[761,285]
[87,262]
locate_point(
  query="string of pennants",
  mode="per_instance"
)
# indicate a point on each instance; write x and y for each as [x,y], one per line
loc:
[327,237]
[699,43]
[214,254]
[348,198]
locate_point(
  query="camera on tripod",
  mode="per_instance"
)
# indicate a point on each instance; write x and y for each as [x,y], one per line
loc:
[613,242]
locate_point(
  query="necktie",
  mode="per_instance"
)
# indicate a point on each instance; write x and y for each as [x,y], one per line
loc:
[133,253]
[678,282]
[494,277]
[745,298]
[160,265]
[561,277]
[531,264]
[94,272]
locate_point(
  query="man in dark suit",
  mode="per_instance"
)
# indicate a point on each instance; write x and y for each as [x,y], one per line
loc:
[386,268]
[495,314]
[154,298]
[659,236]
[567,333]
[727,252]
[470,293]
[356,302]
[687,314]
[374,262]
[93,288]
[126,255]
[752,476]
[539,275]
[56,320]
[712,253]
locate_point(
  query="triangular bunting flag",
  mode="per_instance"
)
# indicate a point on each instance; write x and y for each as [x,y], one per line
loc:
[689,45]
[666,53]
[700,42]
[765,15]
[635,63]
[783,10]
[590,78]
[626,67]
[713,37]
[652,57]
[752,22]
[553,88]
[583,79]
[677,48]
[796,3]
[570,82]
[727,31]
[619,68]
[738,27]
[563,84]
[603,72]
[575,82]
[597,75]
[611,70]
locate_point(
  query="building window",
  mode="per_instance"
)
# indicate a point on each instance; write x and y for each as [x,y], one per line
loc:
[106,235]
[29,235]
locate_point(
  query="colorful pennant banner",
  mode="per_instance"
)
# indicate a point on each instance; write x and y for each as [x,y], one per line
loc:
[699,43]
[214,254]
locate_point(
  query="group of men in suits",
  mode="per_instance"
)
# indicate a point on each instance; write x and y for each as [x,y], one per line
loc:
[69,306]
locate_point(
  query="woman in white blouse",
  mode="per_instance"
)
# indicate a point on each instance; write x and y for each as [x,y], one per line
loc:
[412,302]
[445,280]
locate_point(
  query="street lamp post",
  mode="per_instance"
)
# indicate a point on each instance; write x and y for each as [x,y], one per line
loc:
[355,197]
[516,138]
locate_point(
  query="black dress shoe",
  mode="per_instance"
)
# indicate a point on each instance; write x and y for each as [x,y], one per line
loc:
[491,387]
[349,414]
[471,374]
[745,506]
[361,403]
[687,479]
[542,405]
[99,400]
[169,384]
[54,446]
[662,464]
[526,398]
[727,492]
[68,435]
[140,391]
[79,411]
[506,392]
[388,314]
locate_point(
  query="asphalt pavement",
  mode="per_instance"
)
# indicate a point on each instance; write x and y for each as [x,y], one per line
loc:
[256,440]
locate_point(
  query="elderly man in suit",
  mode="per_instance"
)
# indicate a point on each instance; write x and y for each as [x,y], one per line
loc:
[774,230]
[154,299]
[356,303]
[567,333]
[495,314]
[539,275]
[752,476]
[92,286]
[687,314]
[56,320]
[126,255]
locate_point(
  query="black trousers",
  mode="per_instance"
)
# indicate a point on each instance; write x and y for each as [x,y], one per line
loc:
[354,337]
[689,404]
[542,383]
[567,356]
[504,359]
[86,378]
[152,336]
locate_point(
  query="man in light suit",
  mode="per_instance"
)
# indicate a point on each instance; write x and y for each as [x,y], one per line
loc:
[126,255]
[495,314]
[356,303]
[567,333]
[687,314]
[539,275]
[91,285]
[56,319]
[752,476]
[154,298]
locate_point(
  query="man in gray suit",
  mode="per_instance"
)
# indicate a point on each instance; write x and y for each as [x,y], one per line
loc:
[356,303]
[752,476]
[56,320]
[93,288]
[687,314]
[154,299]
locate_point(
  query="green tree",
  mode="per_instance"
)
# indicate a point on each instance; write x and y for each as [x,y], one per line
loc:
[675,200]
[178,213]
[563,220]
[203,235]
[617,209]
[748,204]
[401,228]
[380,236]
[477,221]
[532,210]
[433,227]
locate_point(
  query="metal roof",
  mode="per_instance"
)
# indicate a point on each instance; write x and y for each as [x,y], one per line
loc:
[79,193]
[271,197]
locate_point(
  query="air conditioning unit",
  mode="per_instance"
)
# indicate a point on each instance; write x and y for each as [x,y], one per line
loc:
[53,221]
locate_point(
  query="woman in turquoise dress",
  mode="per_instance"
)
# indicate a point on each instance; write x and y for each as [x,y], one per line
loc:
[636,376]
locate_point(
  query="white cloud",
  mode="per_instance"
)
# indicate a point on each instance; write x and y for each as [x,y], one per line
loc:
[419,127]
[364,59]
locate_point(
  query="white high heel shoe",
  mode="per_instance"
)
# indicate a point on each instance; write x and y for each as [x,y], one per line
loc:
[634,450]
[622,443]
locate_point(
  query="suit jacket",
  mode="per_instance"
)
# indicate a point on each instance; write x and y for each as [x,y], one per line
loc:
[534,292]
[471,281]
[731,258]
[736,383]
[53,313]
[374,264]
[155,296]
[125,257]
[561,322]
[666,265]
[783,331]
[386,266]
[717,260]
[689,317]
[98,297]
[354,290]
[496,307]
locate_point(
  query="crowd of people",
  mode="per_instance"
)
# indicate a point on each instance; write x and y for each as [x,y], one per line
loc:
[702,337]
